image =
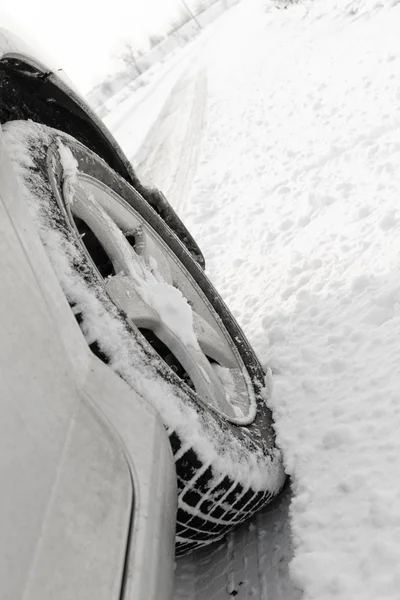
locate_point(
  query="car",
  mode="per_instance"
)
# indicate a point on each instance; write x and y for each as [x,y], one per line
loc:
[134,411]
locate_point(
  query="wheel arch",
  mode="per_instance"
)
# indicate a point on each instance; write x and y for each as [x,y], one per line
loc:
[30,91]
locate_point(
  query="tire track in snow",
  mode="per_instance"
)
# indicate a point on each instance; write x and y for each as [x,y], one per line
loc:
[168,157]
[251,563]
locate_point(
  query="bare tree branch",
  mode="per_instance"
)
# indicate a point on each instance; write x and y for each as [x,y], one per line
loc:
[129,57]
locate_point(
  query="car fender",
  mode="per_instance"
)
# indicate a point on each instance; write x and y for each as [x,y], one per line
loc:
[88,481]
[50,98]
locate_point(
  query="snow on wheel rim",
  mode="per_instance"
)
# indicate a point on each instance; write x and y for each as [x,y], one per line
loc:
[145,281]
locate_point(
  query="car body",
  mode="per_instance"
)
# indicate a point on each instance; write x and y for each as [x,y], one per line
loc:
[81,453]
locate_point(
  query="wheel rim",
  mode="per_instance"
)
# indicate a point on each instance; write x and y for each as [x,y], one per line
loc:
[148,284]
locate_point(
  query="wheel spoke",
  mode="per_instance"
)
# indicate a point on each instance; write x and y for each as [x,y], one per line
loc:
[146,247]
[213,343]
[104,228]
[123,292]
[206,382]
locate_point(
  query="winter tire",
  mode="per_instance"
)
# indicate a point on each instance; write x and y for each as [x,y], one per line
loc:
[147,309]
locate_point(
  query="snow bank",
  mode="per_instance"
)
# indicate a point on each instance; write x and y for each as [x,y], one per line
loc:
[296,207]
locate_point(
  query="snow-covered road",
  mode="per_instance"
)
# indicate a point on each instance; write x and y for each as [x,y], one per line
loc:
[168,157]
[295,204]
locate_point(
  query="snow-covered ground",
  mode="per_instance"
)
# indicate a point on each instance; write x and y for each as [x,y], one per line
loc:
[296,205]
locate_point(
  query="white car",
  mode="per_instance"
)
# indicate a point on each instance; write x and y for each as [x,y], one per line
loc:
[133,410]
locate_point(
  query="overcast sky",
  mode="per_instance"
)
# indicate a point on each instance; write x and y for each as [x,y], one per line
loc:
[80,35]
